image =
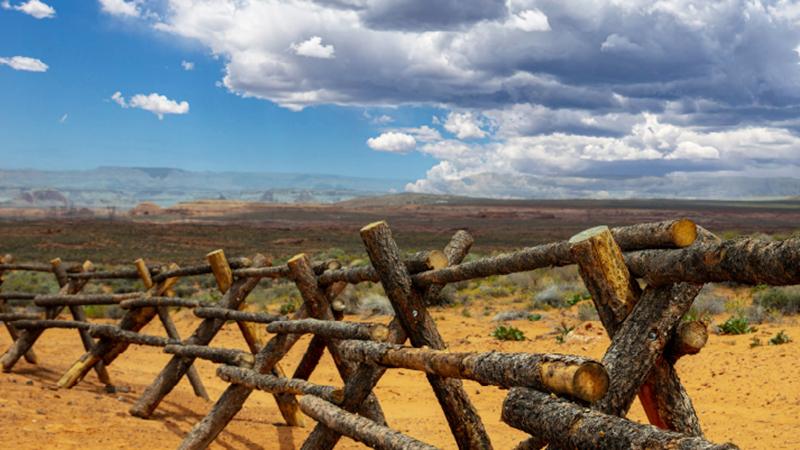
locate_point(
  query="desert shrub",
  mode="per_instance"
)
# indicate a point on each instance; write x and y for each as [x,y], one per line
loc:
[289,306]
[587,311]
[551,297]
[737,324]
[783,299]
[515,315]
[504,333]
[375,305]
[706,304]
[780,338]
[30,282]
[759,314]
[563,331]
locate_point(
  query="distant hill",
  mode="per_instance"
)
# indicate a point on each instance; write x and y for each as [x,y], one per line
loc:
[125,187]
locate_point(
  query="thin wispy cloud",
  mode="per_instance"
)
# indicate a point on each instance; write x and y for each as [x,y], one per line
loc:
[63,118]
[187,65]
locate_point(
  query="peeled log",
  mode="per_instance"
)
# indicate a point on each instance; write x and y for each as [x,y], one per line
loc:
[217,355]
[566,425]
[575,376]
[238,316]
[748,261]
[278,385]
[332,330]
[357,427]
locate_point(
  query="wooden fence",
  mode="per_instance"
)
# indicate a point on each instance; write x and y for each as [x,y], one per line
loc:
[563,401]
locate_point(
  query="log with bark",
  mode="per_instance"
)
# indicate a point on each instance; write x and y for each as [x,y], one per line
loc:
[360,385]
[11,317]
[575,376]
[278,385]
[149,302]
[25,340]
[553,254]
[416,263]
[332,329]
[410,310]
[216,355]
[179,364]
[82,300]
[748,261]
[566,425]
[172,333]
[282,271]
[646,325]
[201,269]
[118,334]
[226,314]
[17,296]
[357,427]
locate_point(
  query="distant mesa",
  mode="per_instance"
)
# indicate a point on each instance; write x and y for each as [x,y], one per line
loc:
[146,209]
[43,197]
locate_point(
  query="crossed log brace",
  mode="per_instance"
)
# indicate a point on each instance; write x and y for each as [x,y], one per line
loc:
[644,326]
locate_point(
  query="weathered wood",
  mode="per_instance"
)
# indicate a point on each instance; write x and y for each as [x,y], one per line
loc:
[602,267]
[160,302]
[669,234]
[17,296]
[238,316]
[567,425]
[217,355]
[282,271]
[366,377]
[316,347]
[688,339]
[43,324]
[639,343]
[178,365]
[172,333]
[26,339]
[455,251]
[10,317]
[416,263]
[29,267]
[575,376]
[409,307]
[117,334]
[358,428]
[319,308]
[144,273]
[530,258]
[80,300]
[278,385]
[750,261]
[332,330]
[221,268]
[615,294]
[201,269]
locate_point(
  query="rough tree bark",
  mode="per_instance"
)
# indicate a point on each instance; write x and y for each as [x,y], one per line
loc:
[278,385]
[575,376]
[331,329]
[566,425]
[234,315]
[218,355]
[358,428]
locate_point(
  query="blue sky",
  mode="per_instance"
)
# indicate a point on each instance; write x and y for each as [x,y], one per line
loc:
[508,98]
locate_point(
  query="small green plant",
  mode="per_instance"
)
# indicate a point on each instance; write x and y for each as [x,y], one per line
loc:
[563,331]
[533,317]
[465,312]
[504,333]
[737,324]
[288,307]
[755,342]
[780,338]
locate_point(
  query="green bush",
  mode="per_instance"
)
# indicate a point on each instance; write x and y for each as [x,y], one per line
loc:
[783,299]
[504,333]
[737,324]
[780,338]
[563,331]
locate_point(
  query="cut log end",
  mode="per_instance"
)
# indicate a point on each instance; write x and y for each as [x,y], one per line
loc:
[338,305]
[144,273]
[684,232]
[689,339]
[55,262]
[588,234]
[221,268]
[379,333]
[378,224]
[296,258]
[437,260]
[590,382]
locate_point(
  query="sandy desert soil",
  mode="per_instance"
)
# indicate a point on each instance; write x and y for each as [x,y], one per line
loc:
[749,396]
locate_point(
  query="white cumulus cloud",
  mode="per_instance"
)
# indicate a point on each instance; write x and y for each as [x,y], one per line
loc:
[25,63]
[313,48]
[392,142]
[34,8]
[464,126]
[530,20]
[121,8]
[155,103]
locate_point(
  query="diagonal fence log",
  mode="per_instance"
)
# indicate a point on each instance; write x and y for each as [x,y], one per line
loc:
[26,339]
[359,428]
[566,425]
[409,306]
[366,377]
[278,385]
[179,365]
[227,356]
[635,349]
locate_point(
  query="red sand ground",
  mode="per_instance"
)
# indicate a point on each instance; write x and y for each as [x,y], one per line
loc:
[749,396]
